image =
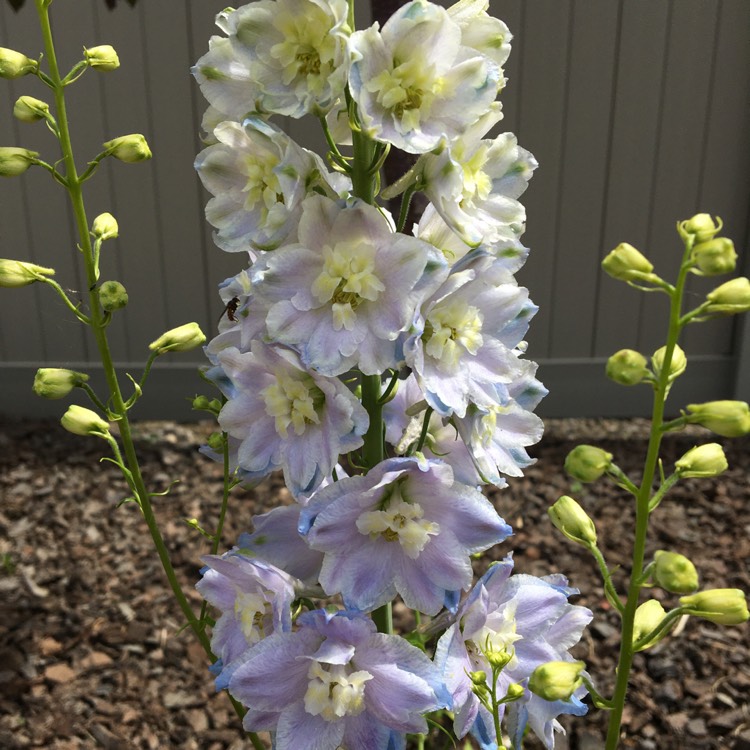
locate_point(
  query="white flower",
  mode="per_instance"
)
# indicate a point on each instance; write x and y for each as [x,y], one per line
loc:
[281,56]
[259,178]
[480,31]
[415,84]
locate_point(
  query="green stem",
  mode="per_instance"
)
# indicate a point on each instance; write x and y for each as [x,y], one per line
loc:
[643,511]
[609,589]
[98,328]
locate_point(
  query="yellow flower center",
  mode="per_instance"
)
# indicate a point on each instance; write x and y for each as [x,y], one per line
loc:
[334,691]
[450,329]
[293,401]
[347,280]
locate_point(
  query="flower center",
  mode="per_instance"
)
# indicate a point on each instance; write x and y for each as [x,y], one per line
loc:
[252,610]
[498,634]
[477,183]
[262,183]
[450,329]
[308,49]
[400,521]
[408,91]
[334,691]
[293,402]
[346,280]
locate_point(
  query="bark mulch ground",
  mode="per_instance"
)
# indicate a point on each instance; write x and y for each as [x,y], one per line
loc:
[91,649]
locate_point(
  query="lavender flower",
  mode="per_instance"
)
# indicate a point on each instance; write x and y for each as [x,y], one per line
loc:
[254,598]
[406,527]
[343,294]
[527,617]
[288,417]
[337,682]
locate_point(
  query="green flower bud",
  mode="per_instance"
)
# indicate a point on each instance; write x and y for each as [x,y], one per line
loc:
[478,677]
[587,463]
[676,366]
[105,227]
[723,606]
[625,263]
[730,298]
[102,57]
[702,226]
[180,339]
[674,572]
[499,659]
[715,257]
[201,403]
[15,161]
[627,367]
[556,680]
[703,461]
[29,109]
[82,421]
[15,64]
[128,148]
[112,296]
[725,418]
[16,273]
[515,691]
[216,441]
[53,382]
[570,518]
[647,618]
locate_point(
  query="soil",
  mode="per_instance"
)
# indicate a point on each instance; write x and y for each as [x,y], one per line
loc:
[92,654]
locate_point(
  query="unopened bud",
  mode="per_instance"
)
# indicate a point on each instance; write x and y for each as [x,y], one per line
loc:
[82,421]
[216,441]
[105,227]
[627,367]
[587,463]
[15,64]
[556,680]
[128,148]
[715,257]
[674,572]
[16,273]
[478,677]
[730,298]
[498,659]
[647,619]
[53,382]
[725,418]
[570,518]
[702,226]
[15,161]
[723,606]
[180,339]
[102,57]
[703,461]
[201,403]
[677,364]
[112,296]
[514,692]
[29,109]
[625,263]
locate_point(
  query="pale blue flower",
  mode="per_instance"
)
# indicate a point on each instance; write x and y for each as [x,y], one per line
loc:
[254,599]
[463,347]
[258,177]
[288,417]
[523,615]
[275,539]
[432,228]
[335,682]
[406,527]
[475,182]
[416,86]
[280,56]
[342,295]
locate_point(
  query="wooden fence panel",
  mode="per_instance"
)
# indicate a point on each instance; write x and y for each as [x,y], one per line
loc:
[638,113]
